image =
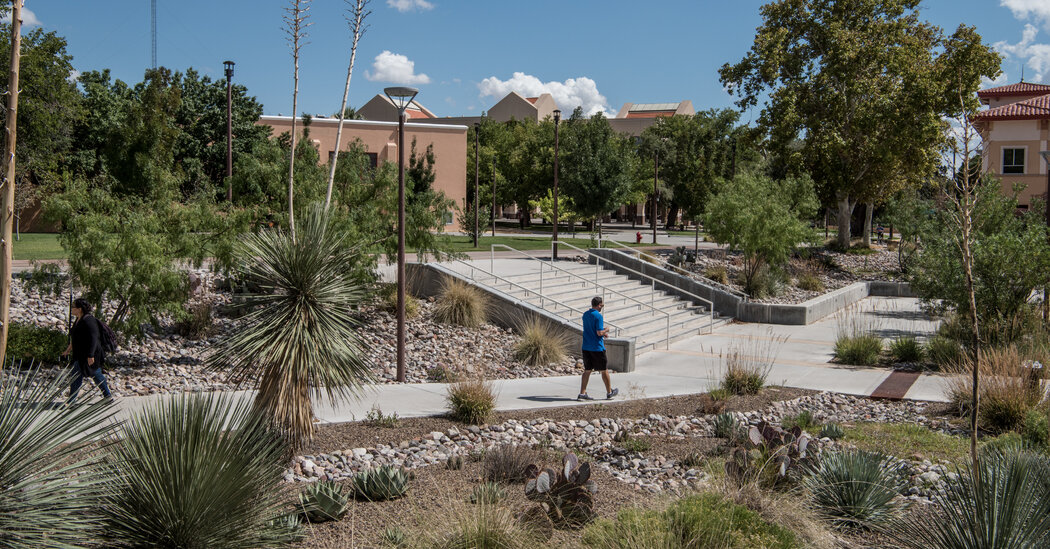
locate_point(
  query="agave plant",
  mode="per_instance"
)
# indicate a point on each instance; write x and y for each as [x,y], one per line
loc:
[382,483]
[855,488]
[566,495]
[49,483]
[726,426]
[324,501]
[834,431]
[299,334]
[196,471]
[1002,502]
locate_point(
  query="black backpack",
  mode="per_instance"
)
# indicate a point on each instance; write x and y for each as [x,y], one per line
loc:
[106,337]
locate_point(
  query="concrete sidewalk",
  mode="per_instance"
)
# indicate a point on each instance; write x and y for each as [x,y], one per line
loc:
[687,367]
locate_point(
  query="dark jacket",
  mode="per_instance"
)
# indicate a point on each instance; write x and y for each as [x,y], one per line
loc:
[86,342]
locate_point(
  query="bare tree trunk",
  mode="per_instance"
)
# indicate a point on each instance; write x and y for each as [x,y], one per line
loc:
[869,210]
[7,194]
[358,30]
[296,21]
[845,211]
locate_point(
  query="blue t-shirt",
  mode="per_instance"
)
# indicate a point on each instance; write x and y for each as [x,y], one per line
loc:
[592,324]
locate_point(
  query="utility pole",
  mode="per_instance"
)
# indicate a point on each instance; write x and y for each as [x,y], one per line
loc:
[7,196]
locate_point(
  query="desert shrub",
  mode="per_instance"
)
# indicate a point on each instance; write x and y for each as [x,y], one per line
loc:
[1007,392]
[834,431]
[704,521]
[489,493]
[718,273]
[479,527]
[198,321]
[807,274]
[1036,428]
[29,342]
[770,456]
[803,420]
[460,304]
[376,418]
[858,349]
[747,365]
[387,300]
[906,349]
[713,402]
[471,400]
[440,374]
[944,352]
[766,282]
[382,483]
[726,426]
[1007,505]
[855,488]
[637,445]
[323,501]
[196,471]
[810,282]
[454,463]
[395,537]
[508,463]
[540,344]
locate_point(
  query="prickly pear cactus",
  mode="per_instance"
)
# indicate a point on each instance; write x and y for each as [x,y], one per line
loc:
[567,495]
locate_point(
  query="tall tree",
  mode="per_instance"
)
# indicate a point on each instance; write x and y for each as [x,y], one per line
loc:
[843,74]
[7,190]
[357,29]
[597,167]
[296,20]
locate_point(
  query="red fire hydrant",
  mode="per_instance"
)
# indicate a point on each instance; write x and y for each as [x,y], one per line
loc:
[638,237]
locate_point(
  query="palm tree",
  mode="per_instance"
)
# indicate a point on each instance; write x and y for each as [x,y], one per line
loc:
[50,480]
[197,471]
[299,337]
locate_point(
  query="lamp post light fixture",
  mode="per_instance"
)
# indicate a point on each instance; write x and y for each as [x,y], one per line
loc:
[228,65]
[477,176]
[401,97]
[557,122]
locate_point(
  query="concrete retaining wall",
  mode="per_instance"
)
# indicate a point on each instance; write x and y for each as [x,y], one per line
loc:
[748,311]
[425,280]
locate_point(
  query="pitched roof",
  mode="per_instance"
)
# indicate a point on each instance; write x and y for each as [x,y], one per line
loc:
[1018,89]
[531,99]
[1036,108]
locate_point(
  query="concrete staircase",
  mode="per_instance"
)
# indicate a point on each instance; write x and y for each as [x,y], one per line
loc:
[566,291]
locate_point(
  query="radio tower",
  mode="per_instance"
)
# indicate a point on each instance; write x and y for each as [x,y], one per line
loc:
[153,29]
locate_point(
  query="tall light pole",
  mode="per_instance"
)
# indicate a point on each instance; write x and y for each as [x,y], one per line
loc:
[401,97]
[1046,289]
[229,129]
[477,175]
[656,176]
[557,122]
[493,194]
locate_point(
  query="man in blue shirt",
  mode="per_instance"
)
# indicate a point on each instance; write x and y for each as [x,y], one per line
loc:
[594,358]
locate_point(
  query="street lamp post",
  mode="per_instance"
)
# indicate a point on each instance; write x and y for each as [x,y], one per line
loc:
[401,97]
[229,129]
[557,122]
[494,194]
[1046,213]
[477,175]
[656,176]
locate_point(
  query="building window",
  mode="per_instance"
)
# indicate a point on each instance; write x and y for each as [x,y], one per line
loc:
[447,217]
[373,160]
[1013,160]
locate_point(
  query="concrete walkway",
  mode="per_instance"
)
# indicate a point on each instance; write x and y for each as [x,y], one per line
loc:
[687,367]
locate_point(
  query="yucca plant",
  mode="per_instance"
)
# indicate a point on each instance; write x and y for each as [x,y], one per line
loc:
[299,337]
[50,481]
[196,471]
[1003,502]
[540,343]
[855,488]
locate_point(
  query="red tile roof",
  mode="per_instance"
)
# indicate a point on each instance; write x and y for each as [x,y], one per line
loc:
[412,113]
[1018,89]
[1036,108]
[531,99]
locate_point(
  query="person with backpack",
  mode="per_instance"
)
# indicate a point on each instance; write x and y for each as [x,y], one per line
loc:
[86,350]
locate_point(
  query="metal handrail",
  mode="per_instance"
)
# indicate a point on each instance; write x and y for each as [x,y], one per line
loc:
[596,285]
[675,268]
[654,281]
[473,268]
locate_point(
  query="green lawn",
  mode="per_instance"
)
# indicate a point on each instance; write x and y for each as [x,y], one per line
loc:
[905,439]
[38,246]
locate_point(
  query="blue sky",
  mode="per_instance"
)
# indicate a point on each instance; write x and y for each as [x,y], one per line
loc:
[465,55]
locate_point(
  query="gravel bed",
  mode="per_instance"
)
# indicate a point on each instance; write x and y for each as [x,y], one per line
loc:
[162,361]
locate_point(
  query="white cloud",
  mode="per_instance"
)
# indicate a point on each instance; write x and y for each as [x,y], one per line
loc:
[1036,56]
[574,92]
[1024,9]
[28,18]
[1002,80]
[409,5]
[74,75]
[395,68]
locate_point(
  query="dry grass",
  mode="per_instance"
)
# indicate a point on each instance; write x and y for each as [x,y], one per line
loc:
[747,365]
[507,463]
[787,510]
[460,304]
[471,400]
[1008,389]
[387,301]
[541,343]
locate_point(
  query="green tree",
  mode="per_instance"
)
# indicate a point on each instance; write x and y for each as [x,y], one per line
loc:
[595,165]
[754,214]
[913,216]
[843,76]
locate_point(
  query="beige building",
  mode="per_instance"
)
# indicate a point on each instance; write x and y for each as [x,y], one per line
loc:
[1015,129]
[634,118]
[382,108]
[380,140]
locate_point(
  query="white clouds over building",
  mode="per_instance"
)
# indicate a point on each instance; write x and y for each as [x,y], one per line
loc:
[396,69]
[568,95]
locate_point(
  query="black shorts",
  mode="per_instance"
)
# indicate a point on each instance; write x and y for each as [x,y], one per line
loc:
[595,360]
